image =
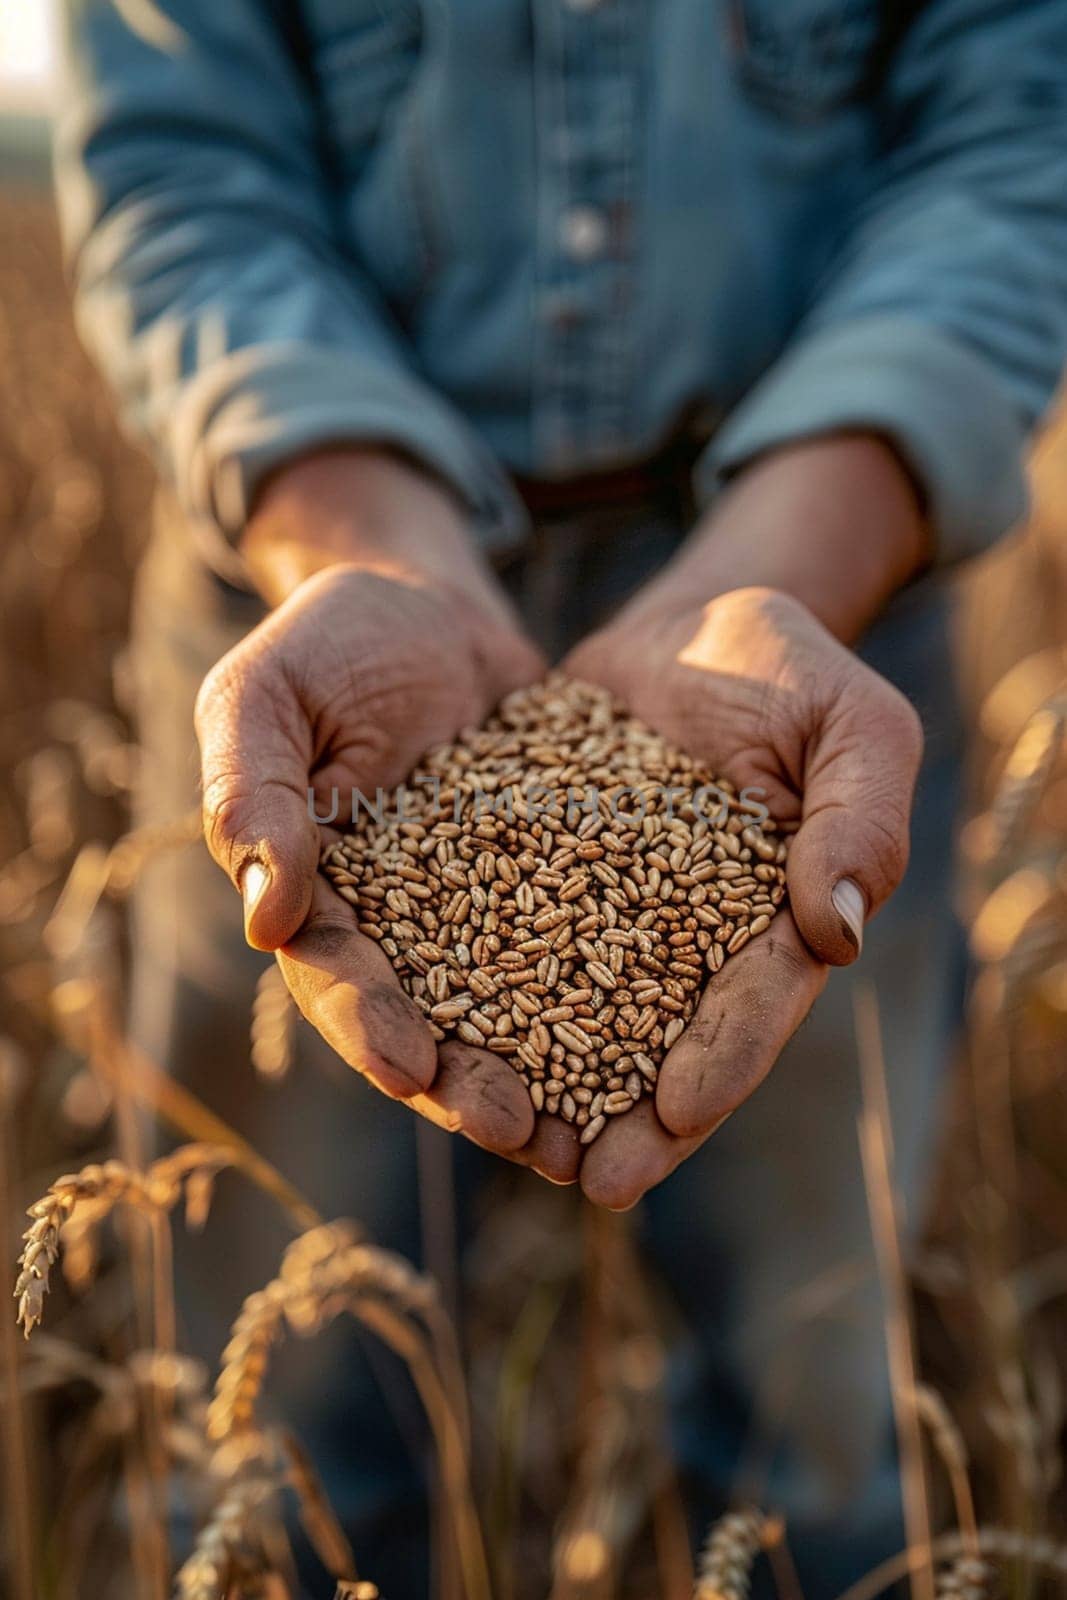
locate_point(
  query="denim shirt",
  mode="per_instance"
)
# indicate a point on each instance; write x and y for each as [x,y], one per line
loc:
[543,235]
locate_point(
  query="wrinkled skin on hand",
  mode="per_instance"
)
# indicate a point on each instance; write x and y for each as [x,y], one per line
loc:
[757,689]
[358,673]
[346,685]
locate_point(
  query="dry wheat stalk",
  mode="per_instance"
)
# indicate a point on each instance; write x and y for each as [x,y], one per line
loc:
[316,1513]
[1038,1551]
[320,1273]
[949,1443]
[14,1436]
[306,1300]
[110,1423]
[121,1062]
[876,1156]
[139,848]
[258,1324]
[250,1479]
[557,887]
[620,1463]
[724,1571]
[88,1196]
[326,1272]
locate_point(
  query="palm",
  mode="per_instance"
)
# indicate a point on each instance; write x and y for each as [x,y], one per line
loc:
[733,694]
[344,688]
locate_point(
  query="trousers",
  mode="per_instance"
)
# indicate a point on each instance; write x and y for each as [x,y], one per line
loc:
[759,1244]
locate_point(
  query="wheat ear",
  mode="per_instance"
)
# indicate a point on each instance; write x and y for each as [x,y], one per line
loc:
[724,1571]
[89,1196]
[325,1272]
[1041,1553]
[273,1016]
[228,1542]
[966,1578]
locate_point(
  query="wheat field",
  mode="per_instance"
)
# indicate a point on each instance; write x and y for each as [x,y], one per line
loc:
[106,1420]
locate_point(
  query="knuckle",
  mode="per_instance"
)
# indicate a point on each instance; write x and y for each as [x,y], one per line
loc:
[226,813]
[904,724]
[887,848]
[736,1073]
[787,964]
[250,682]
[205,698]
[782,611]
[216,688]
[324,937]
[701,1035]
[387,1006]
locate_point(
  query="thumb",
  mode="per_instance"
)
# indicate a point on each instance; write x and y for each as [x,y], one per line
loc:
[255,747]
[851,850]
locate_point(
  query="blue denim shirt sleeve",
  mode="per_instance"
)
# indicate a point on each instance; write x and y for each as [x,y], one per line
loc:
[210,284]
[944,319]
[630,215]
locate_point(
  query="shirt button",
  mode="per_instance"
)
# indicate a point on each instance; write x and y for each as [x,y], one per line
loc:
[561,311]
[585,233]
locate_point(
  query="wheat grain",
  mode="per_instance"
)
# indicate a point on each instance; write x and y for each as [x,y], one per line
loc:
[557,887]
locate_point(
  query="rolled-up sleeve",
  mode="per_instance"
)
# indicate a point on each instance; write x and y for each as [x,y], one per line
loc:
[210,284]
[943,323]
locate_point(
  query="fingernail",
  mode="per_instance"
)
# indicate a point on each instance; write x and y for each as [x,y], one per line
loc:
[851,907]
[254,879]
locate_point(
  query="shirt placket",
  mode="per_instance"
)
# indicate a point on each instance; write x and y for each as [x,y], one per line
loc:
[587,65]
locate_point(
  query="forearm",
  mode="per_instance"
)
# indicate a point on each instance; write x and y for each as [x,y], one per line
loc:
[366,507]
[835,522]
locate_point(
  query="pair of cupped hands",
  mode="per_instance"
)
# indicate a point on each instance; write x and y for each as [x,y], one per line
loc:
[388,635]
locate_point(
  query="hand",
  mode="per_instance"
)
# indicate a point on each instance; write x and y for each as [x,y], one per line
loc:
[758,689]
[366,664]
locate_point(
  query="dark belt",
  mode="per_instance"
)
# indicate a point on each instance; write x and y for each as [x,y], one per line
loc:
[665,474]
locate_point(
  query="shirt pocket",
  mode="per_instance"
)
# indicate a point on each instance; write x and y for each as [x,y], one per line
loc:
[371,88]
[803,60]
[366,53]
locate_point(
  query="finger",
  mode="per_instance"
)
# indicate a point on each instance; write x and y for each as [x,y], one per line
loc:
[346,988]
[632,1155]
[852,847]
[477,1094]
[554,1151]
[747,1014]
[255,751]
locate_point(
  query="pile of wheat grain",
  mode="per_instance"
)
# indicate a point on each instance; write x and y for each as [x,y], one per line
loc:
[558,886]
